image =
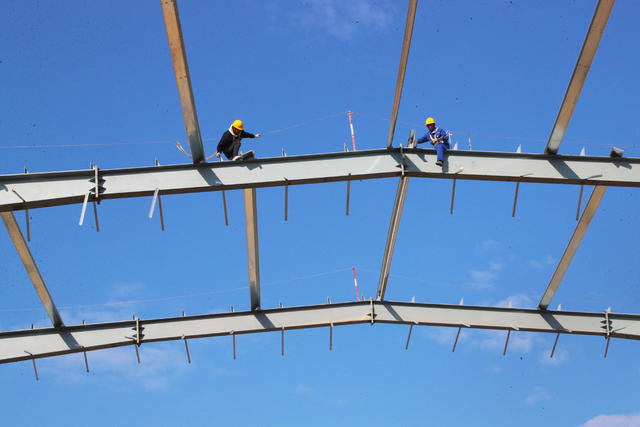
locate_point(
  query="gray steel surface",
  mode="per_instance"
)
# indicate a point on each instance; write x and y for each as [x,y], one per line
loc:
[574,243]
[183,78]
[31,267]
[394,225]
[28,344]
[404,57]
[253,255]
[587,53]
[62,188]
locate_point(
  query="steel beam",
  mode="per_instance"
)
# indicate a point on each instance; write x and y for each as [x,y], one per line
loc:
[31,267]
[183,78]
[39,343]
[587,53]
[572,247]
[404,57]
[396,214]
[251,219]
[63,188]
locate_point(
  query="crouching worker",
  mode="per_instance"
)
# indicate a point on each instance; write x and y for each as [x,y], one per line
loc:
[438,138]
[230,141]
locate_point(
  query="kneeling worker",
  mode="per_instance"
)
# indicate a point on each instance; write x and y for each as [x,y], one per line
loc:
[437,137]
[230,141]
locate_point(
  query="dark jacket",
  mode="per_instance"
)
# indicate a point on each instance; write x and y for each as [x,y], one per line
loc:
[228,139]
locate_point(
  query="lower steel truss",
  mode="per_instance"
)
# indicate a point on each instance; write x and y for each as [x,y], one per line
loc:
[38,343]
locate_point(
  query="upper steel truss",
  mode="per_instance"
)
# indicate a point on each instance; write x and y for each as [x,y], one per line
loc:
[28,191]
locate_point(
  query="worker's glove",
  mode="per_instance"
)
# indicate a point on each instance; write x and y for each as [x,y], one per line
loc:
[217,154]
[257,135]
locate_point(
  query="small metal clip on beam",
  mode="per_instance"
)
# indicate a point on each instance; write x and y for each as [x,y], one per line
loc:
[406,347]
[506,343]
[607,324]
[372,312]
[233,335]
[453,195]
[330,336]
[186,346]
[348,192]
[86,362]
[136,343]
[579,202]
[515,200]
[553,350]
[455,343]
[95,215]
[286,198]
[33,359]
[84,208]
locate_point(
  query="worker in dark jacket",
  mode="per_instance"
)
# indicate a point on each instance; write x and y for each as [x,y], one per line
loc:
[230,142]
[438,138]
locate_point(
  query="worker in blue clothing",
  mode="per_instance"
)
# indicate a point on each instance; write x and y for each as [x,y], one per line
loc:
[438,138]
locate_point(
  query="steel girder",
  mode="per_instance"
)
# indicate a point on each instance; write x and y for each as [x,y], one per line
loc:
[31,267]
[35,190]
[404,57]
[253,254]
[183,78]
[587,53]
[572,246]
[38,343]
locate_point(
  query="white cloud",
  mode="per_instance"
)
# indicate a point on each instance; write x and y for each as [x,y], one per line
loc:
[303,389]
[160,364]
[494,368]
[343,20]
[539,394]
[614,421]
[516,300]
[489,245]
[559,357]
[540,264]
[485,278]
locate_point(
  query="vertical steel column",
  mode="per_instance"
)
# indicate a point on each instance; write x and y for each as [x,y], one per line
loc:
[391,236]
[587,53]
[183,79]
[251,219]
[31,267]
[404,57]
[574,243]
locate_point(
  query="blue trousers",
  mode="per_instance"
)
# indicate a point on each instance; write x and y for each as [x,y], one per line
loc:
[441,147]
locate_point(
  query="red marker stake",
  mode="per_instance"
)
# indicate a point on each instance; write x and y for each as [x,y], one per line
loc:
[356,283]
[353,138]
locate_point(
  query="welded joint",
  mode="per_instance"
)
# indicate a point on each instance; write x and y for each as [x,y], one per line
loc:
[372,314]
[26,211]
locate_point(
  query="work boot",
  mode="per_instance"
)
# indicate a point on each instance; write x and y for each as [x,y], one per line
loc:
[439,163]
[236,158]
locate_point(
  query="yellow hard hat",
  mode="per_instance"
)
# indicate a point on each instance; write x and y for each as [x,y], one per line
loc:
[238,124]
[430,121]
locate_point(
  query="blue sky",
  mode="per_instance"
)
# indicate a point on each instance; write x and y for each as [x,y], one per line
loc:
[96,74]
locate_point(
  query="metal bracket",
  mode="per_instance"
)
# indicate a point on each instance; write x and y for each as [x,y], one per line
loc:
[372,314]
[26,211]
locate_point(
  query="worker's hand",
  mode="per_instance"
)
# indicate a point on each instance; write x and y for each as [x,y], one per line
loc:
[257,135]
[218,154]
